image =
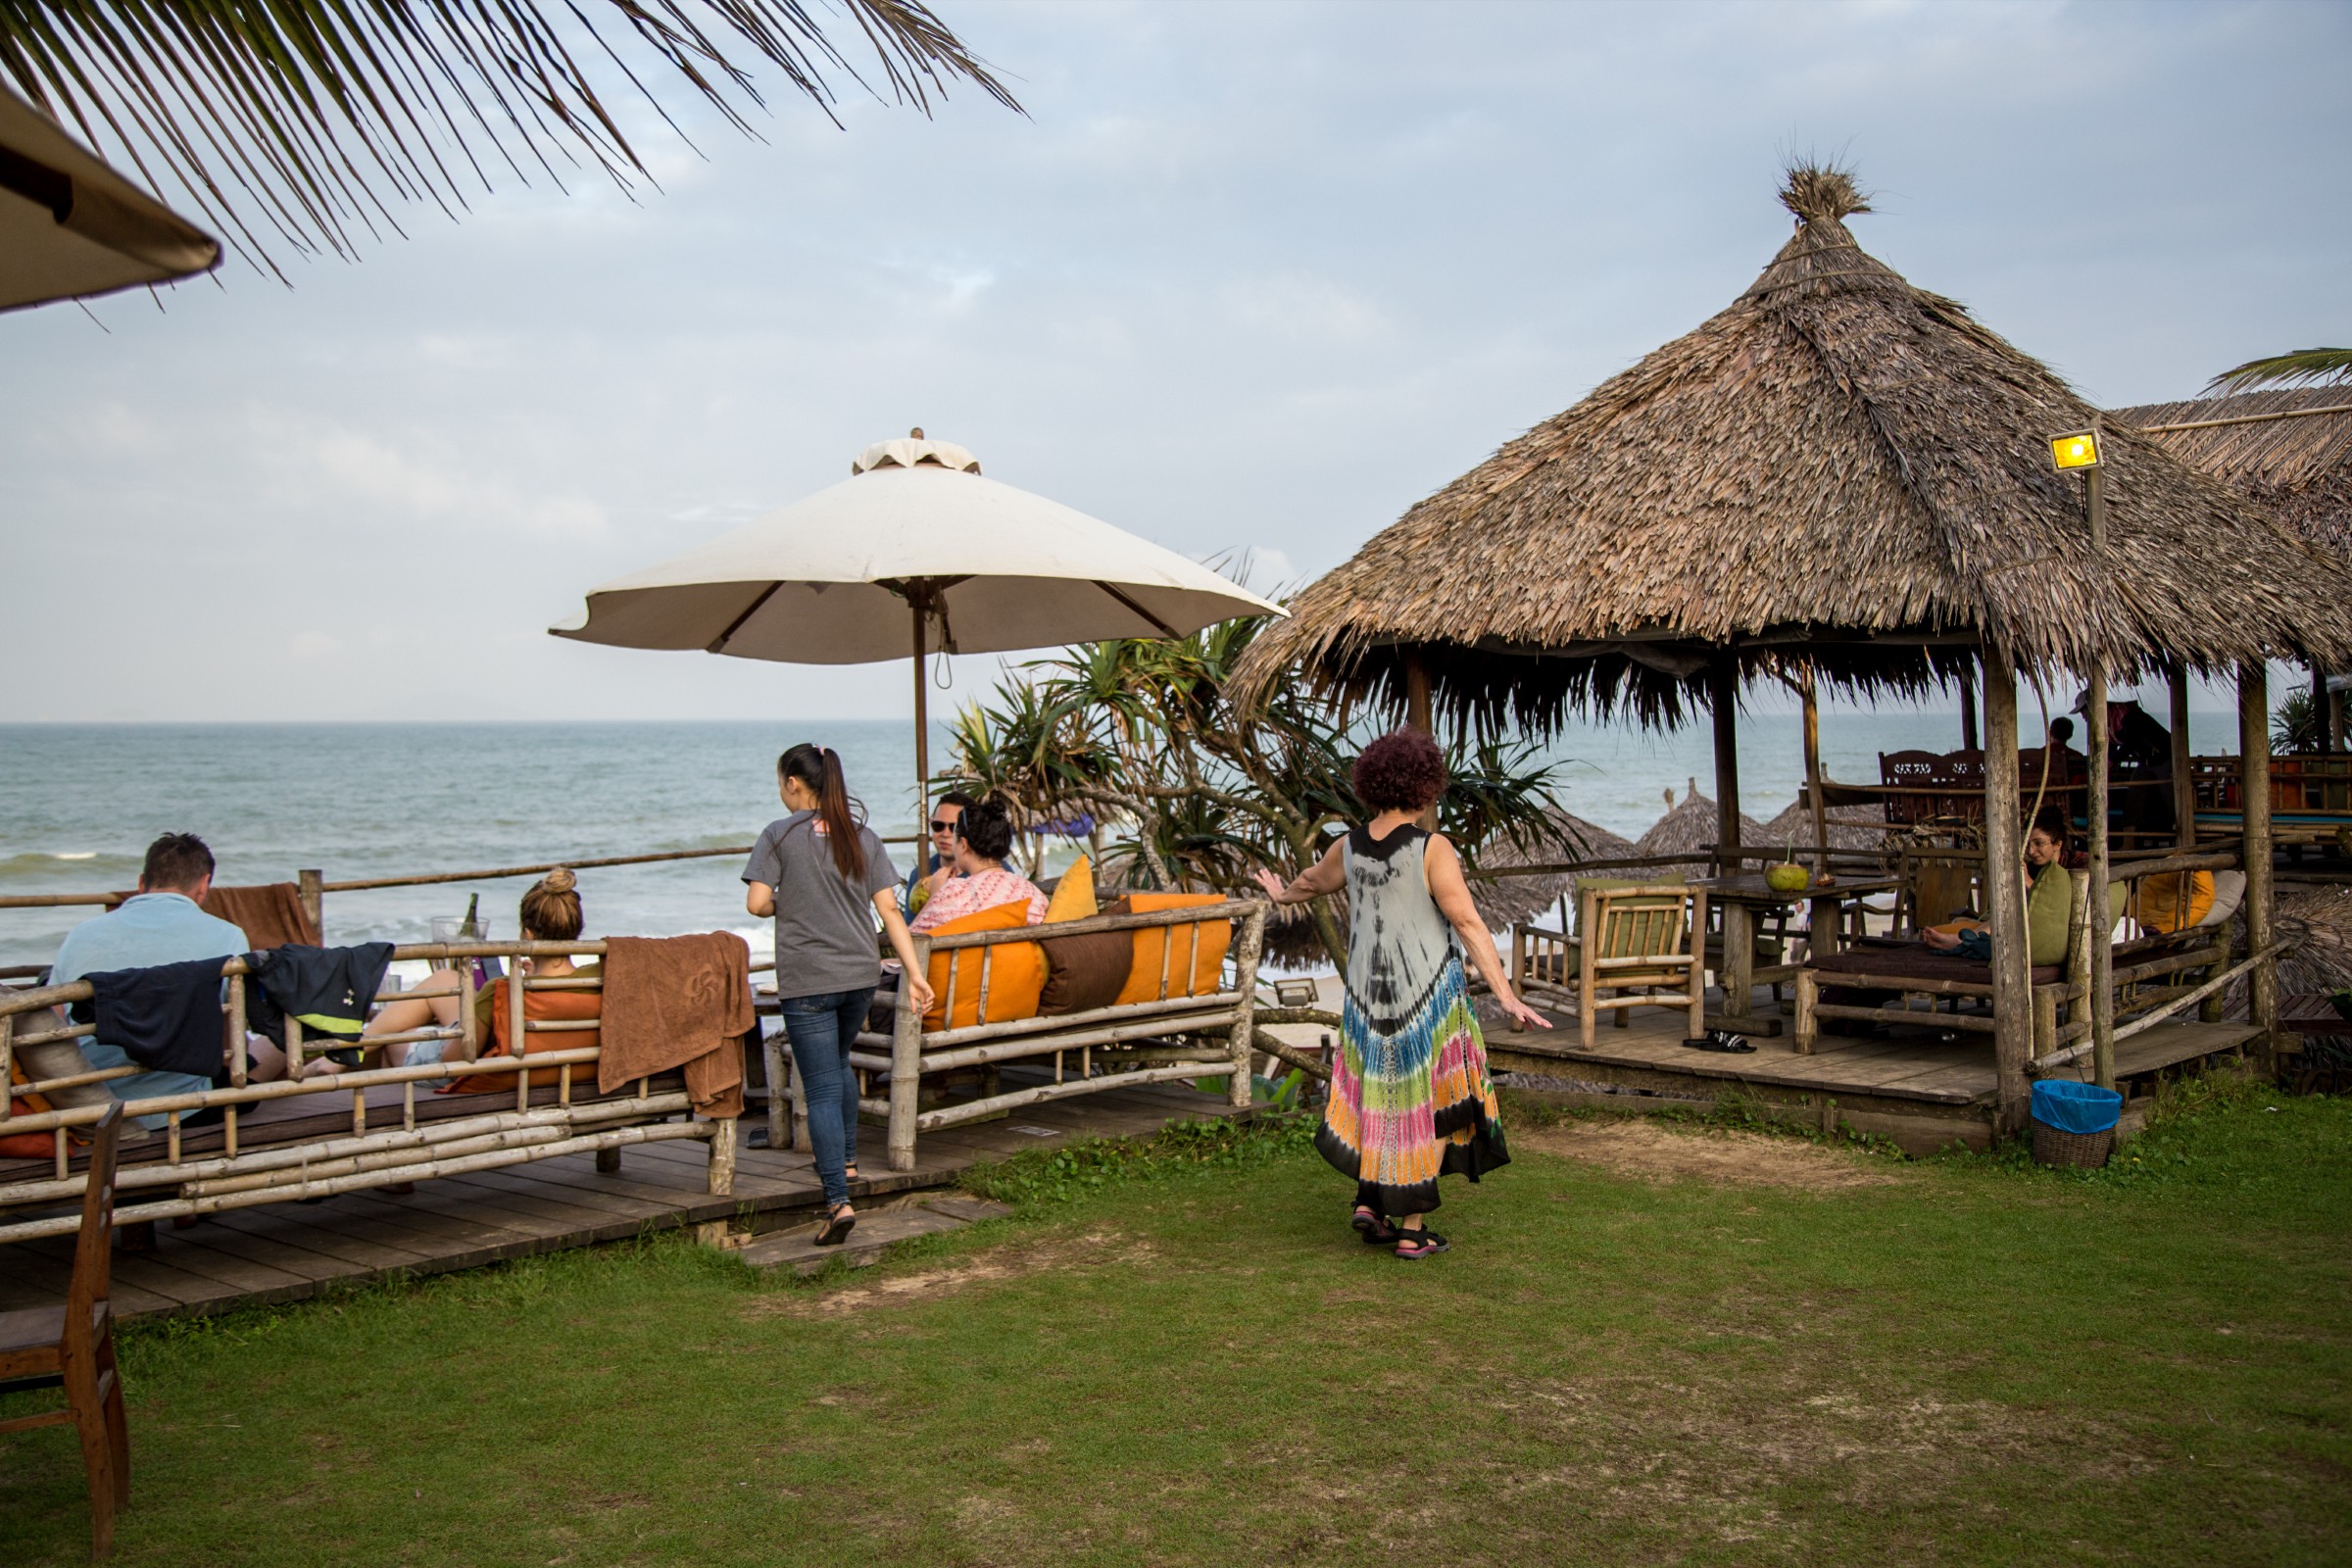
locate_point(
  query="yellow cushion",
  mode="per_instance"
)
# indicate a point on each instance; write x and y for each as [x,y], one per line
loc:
[1074,895]
[2158,905]
[1016,971]
[1206,950]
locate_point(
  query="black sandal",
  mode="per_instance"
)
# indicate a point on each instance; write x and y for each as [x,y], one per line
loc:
[837,1227]
[1414,1246]
[1719,1039]
[1375,1229]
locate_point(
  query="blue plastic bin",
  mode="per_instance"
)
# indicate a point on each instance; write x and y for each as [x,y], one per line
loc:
[2072,1108]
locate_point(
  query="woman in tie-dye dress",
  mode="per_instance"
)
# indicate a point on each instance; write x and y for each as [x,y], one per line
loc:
[1410,1096]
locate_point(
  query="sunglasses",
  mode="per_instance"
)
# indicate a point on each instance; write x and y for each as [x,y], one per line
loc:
[937,826]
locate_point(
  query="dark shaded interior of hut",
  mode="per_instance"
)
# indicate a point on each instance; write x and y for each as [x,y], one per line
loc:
[1844,486]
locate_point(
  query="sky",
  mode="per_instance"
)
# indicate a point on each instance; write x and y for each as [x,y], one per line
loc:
[1246,278]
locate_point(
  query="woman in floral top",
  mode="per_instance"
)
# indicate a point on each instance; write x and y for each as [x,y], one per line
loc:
[983,838]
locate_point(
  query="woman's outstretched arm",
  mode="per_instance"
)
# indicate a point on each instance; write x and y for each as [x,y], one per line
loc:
[1443,869]
[1327,875]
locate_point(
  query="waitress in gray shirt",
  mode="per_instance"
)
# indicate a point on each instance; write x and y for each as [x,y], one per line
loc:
[825,876]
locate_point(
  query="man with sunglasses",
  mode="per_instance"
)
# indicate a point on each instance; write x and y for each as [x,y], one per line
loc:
[929,873]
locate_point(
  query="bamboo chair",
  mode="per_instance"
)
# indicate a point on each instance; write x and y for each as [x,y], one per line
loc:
[72,1347]
[1635,939]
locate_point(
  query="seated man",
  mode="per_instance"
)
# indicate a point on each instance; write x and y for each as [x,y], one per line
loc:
[982,880]
[160,924]
[929,872]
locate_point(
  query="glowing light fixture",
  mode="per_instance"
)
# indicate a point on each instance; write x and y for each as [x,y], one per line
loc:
[2077,449]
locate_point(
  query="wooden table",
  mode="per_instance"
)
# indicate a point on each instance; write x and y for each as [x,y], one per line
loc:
[1744,898]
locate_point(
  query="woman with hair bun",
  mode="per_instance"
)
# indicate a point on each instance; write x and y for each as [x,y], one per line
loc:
[825,877]
[1410,1096]
[550,911]
[982,880]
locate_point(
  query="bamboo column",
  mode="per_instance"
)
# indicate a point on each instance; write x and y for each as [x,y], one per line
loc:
[1968,739]
[907,1058]
[2004,897]
[2254,799]
[310,888]
[2100,924]
[1723,697]
[1244,980]
[1421,716]
[2184,782]
[1821,810]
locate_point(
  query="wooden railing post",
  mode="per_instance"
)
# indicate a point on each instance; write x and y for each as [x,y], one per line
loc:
[2100,918]
[2254,802]
[907,1058]
[310,887]
[2004,897]
[1245,1012]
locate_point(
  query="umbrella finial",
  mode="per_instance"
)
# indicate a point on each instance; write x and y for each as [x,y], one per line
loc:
[915,434]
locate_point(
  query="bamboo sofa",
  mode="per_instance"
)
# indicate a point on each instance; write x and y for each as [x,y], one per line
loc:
[2153,975]
[300,1138]
[1197,1020]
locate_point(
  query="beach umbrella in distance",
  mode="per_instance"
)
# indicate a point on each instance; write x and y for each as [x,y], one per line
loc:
[915,553]
[71,226]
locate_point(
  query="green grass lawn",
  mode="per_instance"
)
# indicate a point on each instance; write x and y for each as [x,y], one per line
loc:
[1188,1358]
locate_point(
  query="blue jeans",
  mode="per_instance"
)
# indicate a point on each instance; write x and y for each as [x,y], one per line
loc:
[821,1029]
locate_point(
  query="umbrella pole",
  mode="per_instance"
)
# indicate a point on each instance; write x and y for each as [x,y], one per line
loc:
[923,727]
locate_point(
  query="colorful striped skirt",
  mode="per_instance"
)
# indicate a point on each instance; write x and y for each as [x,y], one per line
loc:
[1410,1106]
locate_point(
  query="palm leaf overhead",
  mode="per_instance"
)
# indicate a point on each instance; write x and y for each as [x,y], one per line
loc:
[2301,368]
[302,122]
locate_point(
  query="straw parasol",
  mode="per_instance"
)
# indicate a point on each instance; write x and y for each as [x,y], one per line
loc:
[71,226]
[2289,452]
[1506,901]
[1851,827]
[1690,827]
[1839,467]
[914,553]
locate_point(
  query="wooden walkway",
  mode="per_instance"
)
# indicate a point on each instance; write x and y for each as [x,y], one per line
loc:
[288,1252]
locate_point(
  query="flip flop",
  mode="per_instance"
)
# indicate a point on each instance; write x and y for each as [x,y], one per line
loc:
[1415,1245]
[837,1227]
[1722,1040]
[1375,1229]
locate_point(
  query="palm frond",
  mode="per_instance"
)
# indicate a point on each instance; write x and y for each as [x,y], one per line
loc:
[2301,368]
[301,122]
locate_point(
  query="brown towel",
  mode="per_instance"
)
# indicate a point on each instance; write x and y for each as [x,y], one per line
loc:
[679,1001]
[270,915]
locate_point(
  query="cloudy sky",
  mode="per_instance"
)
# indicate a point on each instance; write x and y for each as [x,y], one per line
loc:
[1246,276]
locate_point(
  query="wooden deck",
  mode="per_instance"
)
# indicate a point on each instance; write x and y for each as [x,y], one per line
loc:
[1922,1091]
[286,1252]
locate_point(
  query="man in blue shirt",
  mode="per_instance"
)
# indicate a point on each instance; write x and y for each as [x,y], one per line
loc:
[160,924]
[940,863]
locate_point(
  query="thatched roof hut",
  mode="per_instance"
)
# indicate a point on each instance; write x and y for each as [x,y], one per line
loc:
[1509,900]
[1840,466]
[2289,452]
[1851,827]
[1690,826]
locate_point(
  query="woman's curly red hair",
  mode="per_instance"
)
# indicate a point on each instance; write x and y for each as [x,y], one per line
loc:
[1401,771]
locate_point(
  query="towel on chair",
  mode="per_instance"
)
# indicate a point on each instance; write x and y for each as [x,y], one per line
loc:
[672,1001]
[270,915]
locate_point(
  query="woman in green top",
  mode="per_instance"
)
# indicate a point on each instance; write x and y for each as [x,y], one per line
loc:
[2049,903]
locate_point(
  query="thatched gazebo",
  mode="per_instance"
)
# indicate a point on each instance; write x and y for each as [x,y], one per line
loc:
[1839,474]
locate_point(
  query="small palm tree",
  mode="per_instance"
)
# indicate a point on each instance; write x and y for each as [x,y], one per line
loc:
[2301,368]
[305,120]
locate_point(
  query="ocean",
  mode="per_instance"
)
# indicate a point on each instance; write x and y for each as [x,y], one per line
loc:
[78,803]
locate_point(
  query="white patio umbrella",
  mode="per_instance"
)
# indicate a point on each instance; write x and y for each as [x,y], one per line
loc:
[71,226]
[914,552]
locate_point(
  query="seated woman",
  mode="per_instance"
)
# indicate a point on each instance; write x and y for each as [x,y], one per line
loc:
[983,838]
[2049,903]
[550,913]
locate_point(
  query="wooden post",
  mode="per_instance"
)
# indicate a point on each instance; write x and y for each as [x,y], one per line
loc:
[1698,964]
[310,887]
[1808,1022]
[2099,921]
[907,1058]
[518,1044]
[721,1178]
[1968,739]
[1821,810]
[1419,714]
[2184,782]
[1244,980]
[2254,799]
[2004,898]
[1723,697]
[2319,705]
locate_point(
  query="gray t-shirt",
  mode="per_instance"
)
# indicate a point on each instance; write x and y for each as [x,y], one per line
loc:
[824,923]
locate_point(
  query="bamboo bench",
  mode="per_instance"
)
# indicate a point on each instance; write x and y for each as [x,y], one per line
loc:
[298,1138]
[1173,1036]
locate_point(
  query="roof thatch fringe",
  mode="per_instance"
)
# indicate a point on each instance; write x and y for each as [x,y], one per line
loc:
[1508,901]
[1838,466]
[2294,464]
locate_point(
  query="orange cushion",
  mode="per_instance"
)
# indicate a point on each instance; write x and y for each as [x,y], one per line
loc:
[25,1145]
[538,1006]
[1016,970]
[1197,962]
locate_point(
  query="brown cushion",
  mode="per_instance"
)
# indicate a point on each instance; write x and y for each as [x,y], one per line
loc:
[1086,972]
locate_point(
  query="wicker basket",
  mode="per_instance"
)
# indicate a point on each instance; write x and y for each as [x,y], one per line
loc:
[2083,1151]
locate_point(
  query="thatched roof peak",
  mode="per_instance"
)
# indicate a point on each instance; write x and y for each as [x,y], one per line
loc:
[1839,467]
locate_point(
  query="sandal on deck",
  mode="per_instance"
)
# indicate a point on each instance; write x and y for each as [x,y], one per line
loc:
[1375,1229]
[1719,1039]
[837,1227]
[1413,1246]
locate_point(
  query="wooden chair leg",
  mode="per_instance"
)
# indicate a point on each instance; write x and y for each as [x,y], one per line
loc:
[117,1425]
[88,1403]
[1621,1018]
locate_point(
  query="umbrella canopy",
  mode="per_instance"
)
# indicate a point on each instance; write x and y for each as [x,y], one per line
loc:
[1839,468]
[71,226]
[985,567]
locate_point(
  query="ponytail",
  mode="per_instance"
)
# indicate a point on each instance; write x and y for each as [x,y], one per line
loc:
[819,768]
